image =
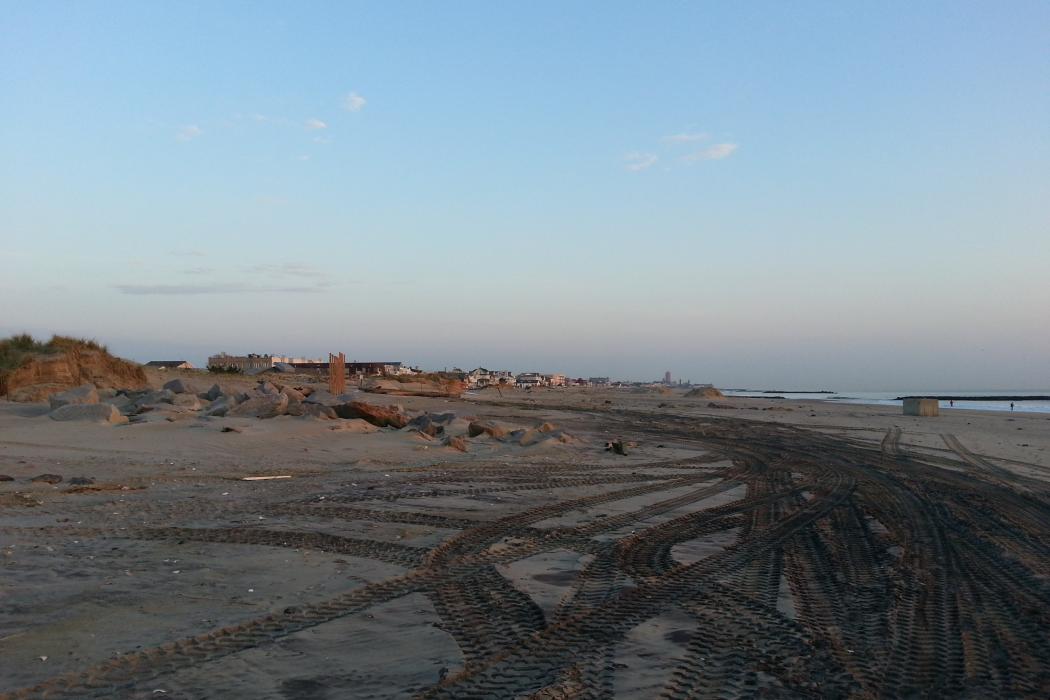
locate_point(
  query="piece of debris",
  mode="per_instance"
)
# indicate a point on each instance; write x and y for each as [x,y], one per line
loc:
[616,447]
[81,481]
[47,478]
[266,478]
[5,477]
[229,429]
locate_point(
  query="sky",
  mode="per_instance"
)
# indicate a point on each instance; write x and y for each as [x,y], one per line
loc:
[832,195]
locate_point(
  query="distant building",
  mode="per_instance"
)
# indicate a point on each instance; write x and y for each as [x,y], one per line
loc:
[359,369]
[252,362]
[527,380]
[554,379]
[667,377]
[480,378]
[598,381]
[169,364]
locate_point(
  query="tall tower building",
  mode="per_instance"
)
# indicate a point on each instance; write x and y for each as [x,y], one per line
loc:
[667,377]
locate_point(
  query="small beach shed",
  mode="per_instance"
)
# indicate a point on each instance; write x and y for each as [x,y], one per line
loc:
[922,407]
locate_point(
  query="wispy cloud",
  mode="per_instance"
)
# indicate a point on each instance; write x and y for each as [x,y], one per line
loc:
[293,269]
[188,132]
[200,289]
[354,102]
[314,124]
[716,152]
[198,270]
[636,162]
[687,137]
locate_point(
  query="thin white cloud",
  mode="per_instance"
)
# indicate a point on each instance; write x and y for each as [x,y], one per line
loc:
[314,124]
[716,152]
[636,162]
[354,102]
[188,132]
[687,137]
[197,289]
[295,269]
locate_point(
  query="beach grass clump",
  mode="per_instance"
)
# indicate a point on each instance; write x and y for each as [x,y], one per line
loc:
[14,351]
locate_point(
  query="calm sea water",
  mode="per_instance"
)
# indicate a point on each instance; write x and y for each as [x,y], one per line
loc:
[887,398]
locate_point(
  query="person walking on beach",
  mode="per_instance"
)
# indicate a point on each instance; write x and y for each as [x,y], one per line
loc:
[951,402]
[1011,405]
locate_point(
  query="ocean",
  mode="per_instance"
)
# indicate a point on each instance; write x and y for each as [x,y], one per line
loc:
[889,398]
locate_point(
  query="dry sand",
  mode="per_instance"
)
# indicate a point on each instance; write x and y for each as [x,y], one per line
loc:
[787,547]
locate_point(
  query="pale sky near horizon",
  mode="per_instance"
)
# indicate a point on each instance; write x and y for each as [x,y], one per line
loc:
[852,196]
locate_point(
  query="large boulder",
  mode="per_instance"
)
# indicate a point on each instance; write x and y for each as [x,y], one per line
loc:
[221,406]
[428,424]
[381,416]
[180,386]
[94,413]
[213,393]
[293,394]
[265,406]
[120,401]
[189,401]
[86,394]
[152,397]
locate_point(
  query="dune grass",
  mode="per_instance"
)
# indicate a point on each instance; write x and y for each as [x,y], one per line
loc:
[16,349]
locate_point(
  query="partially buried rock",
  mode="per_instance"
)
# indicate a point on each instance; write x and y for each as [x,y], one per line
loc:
[427,425]
[456,442]
[316,410]
[295,407]
[47,479]
[5,477]
[265,406]
[489,428]
[86,394]
[381,416]
[94,413]
[81,481]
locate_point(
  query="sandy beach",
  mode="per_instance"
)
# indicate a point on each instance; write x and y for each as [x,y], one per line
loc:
[741,546]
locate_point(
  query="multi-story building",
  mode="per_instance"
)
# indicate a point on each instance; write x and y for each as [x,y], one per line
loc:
[254,362]
[527,380]
[480,378]
[555,379]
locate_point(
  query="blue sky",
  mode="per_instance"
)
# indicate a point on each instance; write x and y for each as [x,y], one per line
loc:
[849,195]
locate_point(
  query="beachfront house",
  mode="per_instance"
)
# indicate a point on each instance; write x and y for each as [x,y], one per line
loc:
[480,378]
[528,380]
[169,364]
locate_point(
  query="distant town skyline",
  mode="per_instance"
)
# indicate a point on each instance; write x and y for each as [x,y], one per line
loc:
[845,196]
